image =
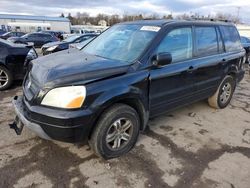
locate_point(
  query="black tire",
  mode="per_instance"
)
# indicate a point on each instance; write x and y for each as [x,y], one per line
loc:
[98,140]
[5,73]
[216,101]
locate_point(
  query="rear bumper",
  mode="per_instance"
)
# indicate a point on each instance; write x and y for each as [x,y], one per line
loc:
[52,124]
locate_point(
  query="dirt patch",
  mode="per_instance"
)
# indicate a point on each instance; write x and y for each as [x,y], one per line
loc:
[55,163]
[195,163]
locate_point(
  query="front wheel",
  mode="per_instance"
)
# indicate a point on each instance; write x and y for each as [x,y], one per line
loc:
[224,93]
[6,78]
[116,132]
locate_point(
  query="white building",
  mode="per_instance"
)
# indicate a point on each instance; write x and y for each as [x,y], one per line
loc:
[244,30]
[103,23]
[26,23]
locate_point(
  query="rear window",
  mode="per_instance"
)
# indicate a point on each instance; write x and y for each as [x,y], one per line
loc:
[206,41]
[231,38]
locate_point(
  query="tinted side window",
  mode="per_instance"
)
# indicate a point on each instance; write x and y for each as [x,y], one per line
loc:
[31,36]
[46,37]
[178,42]
[206,41]
[231,38]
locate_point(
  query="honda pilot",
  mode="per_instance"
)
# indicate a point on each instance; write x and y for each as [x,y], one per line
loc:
[106,93]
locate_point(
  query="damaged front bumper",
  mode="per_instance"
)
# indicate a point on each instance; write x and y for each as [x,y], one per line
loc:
[20,121]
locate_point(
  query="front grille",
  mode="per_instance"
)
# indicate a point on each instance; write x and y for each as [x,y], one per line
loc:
[31,88]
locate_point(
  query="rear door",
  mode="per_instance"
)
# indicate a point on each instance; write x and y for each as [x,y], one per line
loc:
[208,60]
[172,85]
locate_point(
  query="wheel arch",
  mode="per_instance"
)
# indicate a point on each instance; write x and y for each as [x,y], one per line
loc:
[134,102]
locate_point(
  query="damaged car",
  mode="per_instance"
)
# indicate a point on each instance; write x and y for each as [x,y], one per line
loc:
[14,62]
[105,93]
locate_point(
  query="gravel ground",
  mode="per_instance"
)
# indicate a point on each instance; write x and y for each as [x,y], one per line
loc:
[195,146]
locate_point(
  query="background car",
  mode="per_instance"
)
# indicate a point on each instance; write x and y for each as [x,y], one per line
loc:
[80,45]
[12,34]
[64,44]
[246,44]
[38,39]
[14,62]
[58,34]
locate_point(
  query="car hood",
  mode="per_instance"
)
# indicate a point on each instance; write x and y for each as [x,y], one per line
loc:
[73,66]
[50,44]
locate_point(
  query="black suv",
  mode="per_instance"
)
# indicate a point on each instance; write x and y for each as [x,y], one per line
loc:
[106,92]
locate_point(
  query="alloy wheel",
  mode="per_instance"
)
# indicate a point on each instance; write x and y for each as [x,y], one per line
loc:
[3,78]
[119,134]
[225,93]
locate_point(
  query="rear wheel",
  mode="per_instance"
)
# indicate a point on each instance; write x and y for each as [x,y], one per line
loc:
[224,93]
[6,78]
[116,132]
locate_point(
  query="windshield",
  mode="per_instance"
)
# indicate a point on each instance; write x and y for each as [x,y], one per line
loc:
[122,42]
[71,38]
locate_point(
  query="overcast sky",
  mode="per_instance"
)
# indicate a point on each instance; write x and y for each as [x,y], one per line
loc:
[93,7]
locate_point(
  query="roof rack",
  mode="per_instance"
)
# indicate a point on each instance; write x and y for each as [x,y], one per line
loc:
[209,19]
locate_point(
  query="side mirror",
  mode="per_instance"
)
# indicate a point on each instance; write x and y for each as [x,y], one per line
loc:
[162,59]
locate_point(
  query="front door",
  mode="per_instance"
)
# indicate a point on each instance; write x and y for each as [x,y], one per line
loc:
[172,85]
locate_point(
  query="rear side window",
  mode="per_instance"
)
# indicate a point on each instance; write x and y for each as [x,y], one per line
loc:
[178,42]
[231,38]
[206,41]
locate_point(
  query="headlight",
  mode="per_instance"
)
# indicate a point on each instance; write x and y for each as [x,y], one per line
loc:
[52,48]
[65,97]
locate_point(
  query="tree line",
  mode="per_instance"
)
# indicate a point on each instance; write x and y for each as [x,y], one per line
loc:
[85,18]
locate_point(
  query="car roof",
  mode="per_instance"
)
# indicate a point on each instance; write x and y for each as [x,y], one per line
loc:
[163,22]
[40,33]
